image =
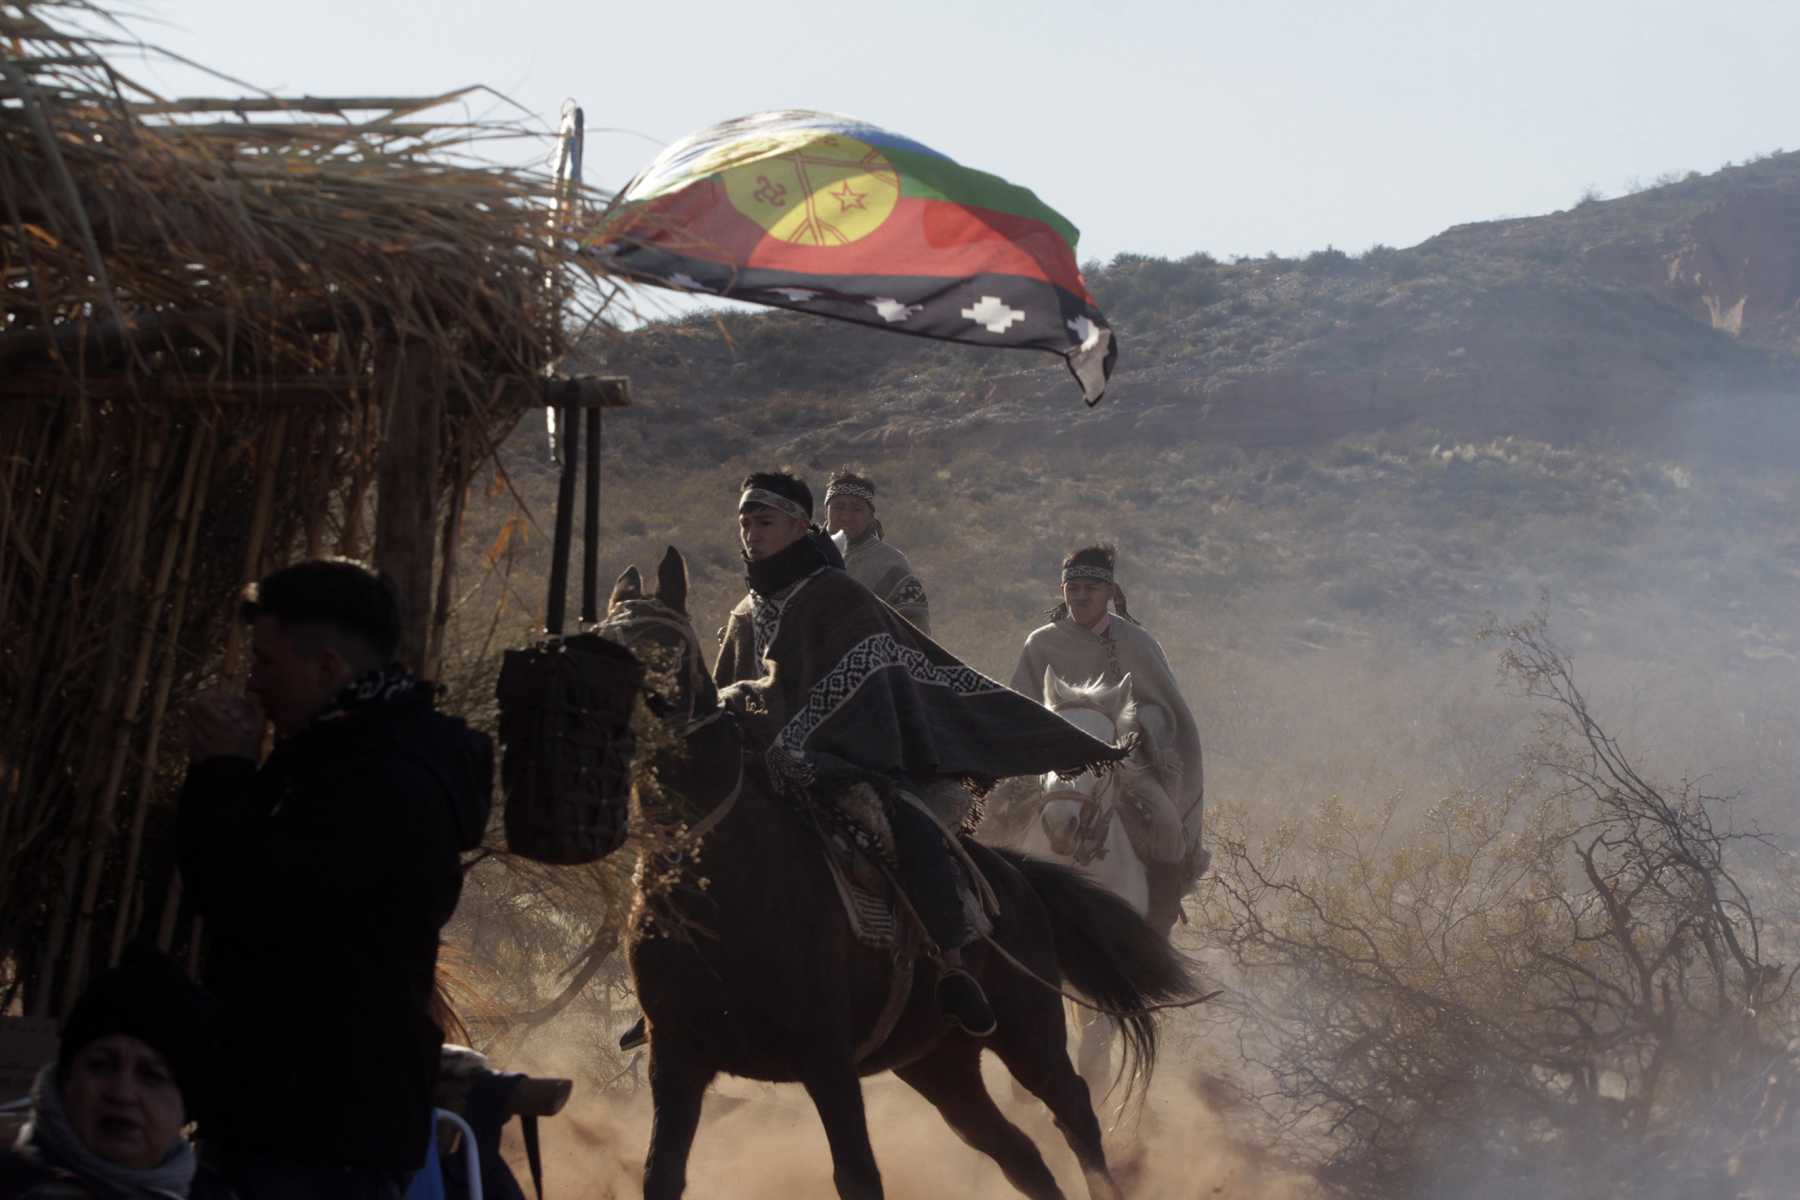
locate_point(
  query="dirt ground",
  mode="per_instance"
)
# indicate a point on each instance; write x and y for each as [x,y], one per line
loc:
[760,1142]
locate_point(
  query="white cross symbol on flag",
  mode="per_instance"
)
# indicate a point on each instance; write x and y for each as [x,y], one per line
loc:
[993,313]
[892,310]
[1085,331]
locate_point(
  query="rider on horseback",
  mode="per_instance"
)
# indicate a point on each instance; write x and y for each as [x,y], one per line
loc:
[1086,640]
[871,559]
[841,684]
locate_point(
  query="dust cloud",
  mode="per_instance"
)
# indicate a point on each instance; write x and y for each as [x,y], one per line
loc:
[764,1142]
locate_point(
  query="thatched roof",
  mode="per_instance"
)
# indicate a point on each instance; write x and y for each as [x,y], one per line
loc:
[146,234]
[226,326]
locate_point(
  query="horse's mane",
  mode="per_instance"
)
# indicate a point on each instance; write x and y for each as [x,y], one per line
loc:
[1126,722]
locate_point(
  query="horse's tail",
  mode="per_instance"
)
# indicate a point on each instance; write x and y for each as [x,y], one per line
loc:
[1110,954]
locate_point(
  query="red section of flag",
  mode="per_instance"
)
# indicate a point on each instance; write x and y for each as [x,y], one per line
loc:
[950,240]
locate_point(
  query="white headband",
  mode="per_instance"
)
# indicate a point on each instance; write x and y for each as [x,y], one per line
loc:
[1084,571]
[857,491]
[768,499]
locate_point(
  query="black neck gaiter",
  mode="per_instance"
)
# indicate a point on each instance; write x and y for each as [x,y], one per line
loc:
[767,576]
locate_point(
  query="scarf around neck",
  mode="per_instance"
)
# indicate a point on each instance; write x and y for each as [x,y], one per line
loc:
[392,684]
[49,1139]
[771,575]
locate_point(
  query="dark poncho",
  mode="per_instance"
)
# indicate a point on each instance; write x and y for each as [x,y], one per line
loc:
[831,674]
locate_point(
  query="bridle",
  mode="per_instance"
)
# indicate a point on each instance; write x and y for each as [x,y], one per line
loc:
[625,626]
[1093,820]
[630,616]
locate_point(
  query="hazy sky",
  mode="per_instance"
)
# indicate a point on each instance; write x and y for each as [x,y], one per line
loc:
[1163,128]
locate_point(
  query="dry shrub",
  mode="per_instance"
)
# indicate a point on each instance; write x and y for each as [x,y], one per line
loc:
[1567,988]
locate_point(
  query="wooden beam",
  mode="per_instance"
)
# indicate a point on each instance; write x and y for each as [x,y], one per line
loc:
[607,391]
[307,104]
[316,130]
[407,485]
[105,337]
[587,391]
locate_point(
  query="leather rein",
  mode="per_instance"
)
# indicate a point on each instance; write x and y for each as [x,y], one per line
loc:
[622,626]
[1095,819]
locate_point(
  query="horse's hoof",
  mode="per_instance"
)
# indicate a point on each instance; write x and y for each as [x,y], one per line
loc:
[634,1037]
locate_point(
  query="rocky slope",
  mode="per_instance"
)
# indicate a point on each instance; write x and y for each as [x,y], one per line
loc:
[1626,321]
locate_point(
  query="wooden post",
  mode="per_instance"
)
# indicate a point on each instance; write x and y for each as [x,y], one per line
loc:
[101,829]
[446,585]
[236,670]
[190,510]
[352,542]
[411,393]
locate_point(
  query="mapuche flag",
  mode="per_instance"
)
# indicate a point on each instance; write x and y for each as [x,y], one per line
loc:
[828,215]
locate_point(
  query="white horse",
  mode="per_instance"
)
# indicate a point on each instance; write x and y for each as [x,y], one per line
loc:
[1078,824]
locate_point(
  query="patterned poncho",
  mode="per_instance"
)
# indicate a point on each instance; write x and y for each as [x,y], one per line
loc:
[1171,739]
[832,675]
[879,565]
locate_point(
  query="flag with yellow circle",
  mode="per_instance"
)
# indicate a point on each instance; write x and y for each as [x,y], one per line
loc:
[829,215]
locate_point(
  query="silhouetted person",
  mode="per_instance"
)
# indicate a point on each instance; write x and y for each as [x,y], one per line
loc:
[324,876]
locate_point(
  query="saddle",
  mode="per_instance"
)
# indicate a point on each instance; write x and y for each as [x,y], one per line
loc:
[850,812]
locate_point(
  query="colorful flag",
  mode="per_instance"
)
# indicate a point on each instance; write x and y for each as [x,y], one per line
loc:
[828,215]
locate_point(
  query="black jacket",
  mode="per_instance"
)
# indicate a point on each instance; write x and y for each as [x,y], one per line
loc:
[324,878]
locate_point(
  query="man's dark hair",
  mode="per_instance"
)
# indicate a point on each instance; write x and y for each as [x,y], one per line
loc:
[1100,555]
[340,594]
[782,484]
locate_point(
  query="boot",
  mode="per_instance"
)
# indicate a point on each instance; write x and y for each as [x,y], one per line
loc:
[634,1037]
[964,1003]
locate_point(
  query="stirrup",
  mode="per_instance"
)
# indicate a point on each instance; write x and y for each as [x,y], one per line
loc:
[634,1037]
[965,1005]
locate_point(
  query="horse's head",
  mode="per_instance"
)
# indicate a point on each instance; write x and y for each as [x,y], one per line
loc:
[1073,805]
[657,629]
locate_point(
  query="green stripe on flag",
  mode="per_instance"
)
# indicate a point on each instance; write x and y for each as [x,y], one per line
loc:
[929,177]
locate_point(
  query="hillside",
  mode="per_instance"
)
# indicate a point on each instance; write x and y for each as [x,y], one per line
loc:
[1614,320]
[1330,464]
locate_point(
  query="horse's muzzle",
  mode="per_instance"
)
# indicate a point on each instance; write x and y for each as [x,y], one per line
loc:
[1061,819]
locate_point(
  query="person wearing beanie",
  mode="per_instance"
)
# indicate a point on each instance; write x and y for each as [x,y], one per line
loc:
[108,1116]
[871,559]
[1092,636]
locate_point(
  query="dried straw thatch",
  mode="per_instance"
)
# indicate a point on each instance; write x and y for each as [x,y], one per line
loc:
[226,327]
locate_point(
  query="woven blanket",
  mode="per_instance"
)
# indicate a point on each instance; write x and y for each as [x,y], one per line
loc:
[832,675]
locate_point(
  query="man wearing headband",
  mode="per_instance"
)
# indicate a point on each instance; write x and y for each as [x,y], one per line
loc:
[1092,636]
[871,559]
[838,685]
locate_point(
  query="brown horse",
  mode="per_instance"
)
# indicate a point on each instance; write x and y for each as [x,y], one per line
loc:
[746,963]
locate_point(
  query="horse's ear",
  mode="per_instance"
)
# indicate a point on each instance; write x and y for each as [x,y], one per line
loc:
[1053,687]
[1112,698]
[672,580]
[629,587]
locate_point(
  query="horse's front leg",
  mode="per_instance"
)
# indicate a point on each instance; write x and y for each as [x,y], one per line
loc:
[837,1093]
[677,1089]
